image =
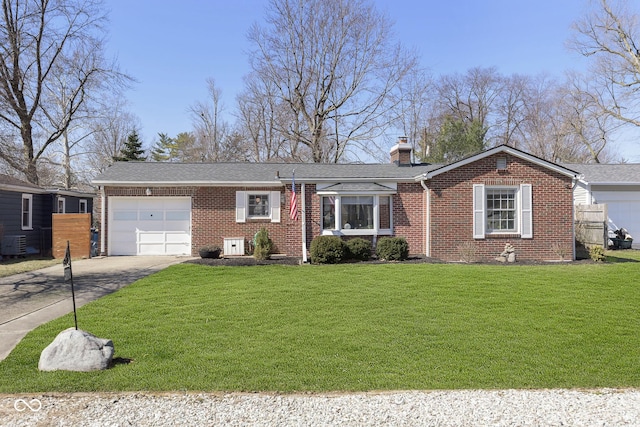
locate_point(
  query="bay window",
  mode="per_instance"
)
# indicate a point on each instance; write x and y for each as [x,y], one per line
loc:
[357,214]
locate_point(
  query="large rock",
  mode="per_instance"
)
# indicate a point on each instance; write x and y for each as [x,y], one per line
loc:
[76,350]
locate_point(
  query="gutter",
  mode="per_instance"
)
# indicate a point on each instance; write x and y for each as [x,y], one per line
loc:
[103,204]
[427,218]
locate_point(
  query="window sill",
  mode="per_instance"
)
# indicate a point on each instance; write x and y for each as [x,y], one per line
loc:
[357,232]
[502,236]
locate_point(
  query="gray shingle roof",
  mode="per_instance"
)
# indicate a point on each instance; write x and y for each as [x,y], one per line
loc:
[9,180]
[156,173]
[598,173]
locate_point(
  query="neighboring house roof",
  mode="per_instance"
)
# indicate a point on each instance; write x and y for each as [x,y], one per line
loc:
[218,174]
[14,184]
[497,150]
[608,174]
[10,183]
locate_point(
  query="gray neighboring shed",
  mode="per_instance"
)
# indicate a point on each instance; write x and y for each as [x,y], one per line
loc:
[617,186]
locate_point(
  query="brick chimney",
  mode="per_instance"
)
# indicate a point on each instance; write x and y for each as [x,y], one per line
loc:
[401,152]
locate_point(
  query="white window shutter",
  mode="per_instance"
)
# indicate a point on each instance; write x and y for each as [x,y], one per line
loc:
[241,210]
[479,216]
[275,206]
[526,211]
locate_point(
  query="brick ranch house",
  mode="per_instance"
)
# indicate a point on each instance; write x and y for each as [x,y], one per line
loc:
[502,195]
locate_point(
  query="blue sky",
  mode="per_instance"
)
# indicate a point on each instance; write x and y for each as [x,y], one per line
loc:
[171,47]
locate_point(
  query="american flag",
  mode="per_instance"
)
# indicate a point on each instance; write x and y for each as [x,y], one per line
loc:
[293,204]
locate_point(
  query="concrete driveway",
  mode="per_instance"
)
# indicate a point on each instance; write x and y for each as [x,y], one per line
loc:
[28,300]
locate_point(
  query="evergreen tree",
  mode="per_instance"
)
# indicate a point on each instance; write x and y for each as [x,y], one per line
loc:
[456,140]
[165,149]
[132,150]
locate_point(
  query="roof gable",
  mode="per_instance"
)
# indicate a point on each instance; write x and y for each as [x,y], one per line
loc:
[497,150]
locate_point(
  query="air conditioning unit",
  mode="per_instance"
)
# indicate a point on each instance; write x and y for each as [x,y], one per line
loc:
[14,245]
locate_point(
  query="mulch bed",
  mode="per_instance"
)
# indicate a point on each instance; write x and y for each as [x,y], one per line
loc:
[283,260]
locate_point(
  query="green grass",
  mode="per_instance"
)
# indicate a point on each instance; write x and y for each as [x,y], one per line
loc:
[10,266]
[357,327]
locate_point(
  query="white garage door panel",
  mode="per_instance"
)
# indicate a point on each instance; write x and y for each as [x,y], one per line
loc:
[623,209]
[150,226]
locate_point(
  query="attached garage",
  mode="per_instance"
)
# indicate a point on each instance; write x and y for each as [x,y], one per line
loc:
[623,208]
[617,186]
[149,226]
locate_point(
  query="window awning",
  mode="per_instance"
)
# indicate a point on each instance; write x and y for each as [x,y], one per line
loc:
[357,188]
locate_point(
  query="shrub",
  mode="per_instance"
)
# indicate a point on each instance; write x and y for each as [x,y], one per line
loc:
[359,249]
[210,251]
[392,248]
[327,250]
[468,252]
[560,250]
[263,244]
[596,253]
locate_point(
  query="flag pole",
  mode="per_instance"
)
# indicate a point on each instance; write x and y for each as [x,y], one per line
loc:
[68,276]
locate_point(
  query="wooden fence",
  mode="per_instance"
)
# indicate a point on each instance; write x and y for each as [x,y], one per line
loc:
[76,228]
[591,223]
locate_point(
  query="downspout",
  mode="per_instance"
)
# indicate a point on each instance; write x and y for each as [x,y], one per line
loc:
[573,212]
[304,221]
[427,218]
[103,204]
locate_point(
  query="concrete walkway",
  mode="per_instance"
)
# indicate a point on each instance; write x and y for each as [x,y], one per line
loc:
[30,299]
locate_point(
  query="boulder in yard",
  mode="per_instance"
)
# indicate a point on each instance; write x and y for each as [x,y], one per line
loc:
[76,350]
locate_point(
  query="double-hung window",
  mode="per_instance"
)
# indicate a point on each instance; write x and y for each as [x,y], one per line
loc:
[83,205]
[27,211]
[256,205]
[62,205]
[502,210]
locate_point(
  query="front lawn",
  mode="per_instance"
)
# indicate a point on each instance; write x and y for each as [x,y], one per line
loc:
[357,327]
[10,266]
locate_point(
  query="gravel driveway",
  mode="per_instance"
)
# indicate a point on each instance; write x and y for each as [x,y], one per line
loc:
[605,407]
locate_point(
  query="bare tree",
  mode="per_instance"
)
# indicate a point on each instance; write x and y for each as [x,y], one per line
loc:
[109,132]
[259,114]
[210,129]
[510,110]
[609,35]
[334,63]
[417,113]
[42,43]
[589,125]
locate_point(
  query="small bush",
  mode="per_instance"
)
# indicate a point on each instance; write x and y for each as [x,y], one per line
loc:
[596,253]
[560,250]
[328,250]
[359,249]
[263,245]
[392,248]
[468,252]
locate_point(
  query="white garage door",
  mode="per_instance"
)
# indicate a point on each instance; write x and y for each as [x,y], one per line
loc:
[623,208]
[150,226]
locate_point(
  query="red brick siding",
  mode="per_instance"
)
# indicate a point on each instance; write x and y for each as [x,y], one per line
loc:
[214,218]
[213,214]
[451,221]
[408,215]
